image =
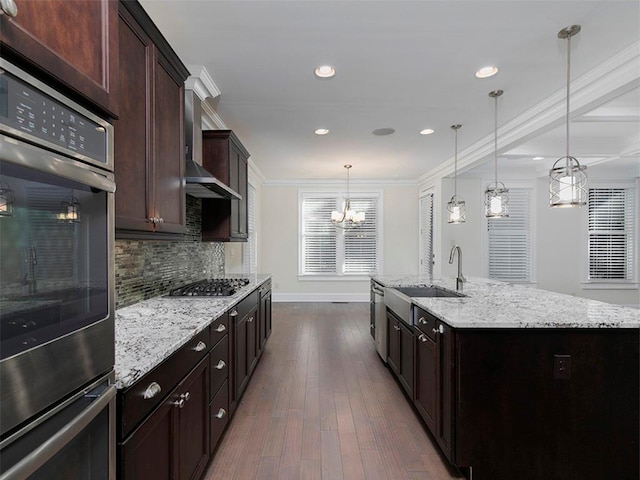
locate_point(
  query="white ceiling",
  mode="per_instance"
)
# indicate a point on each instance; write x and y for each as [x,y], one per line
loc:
[406,65]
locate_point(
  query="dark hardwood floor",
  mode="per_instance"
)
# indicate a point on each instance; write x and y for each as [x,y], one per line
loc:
[322,405]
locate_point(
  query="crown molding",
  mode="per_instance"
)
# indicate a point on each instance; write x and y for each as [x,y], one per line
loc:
[255,173]
[211,120]
[201,83]
[618,75]
[313,183]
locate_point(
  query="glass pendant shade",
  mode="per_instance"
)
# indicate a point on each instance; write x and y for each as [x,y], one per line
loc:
[70,211]
[496,196]
[496,201]
[456,210]
[7,201]
[567,178]
[347,218]
[567,184]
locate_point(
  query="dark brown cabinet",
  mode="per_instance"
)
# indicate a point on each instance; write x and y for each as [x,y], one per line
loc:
[71,43]
[149,136]
[434,375]
[400,351]
[264,315]
[225,158]
[174,441]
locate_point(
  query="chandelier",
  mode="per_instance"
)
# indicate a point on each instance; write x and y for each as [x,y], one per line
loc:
[347,218]
[568,182]
[496,196]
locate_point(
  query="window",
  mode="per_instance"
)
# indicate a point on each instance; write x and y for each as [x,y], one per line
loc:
[426,235]
[249,260]
[611,234]
[509,240]
[330,251]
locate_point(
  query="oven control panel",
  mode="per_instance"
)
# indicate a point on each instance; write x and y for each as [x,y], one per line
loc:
[31,114]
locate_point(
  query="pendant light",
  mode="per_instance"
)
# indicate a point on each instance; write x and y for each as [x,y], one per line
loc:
[496,196]
[347,218]
[567,178]
[70,211]
[455,207]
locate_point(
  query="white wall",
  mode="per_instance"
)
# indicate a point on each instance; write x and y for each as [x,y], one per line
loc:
[560,242]
[278,248]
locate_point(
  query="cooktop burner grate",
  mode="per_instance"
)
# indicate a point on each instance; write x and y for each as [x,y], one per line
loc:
[215,287]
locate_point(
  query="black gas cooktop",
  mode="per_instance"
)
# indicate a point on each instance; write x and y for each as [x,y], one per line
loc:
[214,287]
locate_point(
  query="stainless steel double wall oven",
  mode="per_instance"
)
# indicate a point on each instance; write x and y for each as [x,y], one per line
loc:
[57,407]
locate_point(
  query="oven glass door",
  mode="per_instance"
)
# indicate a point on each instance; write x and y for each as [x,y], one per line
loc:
[53,257]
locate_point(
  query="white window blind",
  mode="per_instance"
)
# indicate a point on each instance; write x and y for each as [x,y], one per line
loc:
[426,235]
[510,240]
[250,250]
[611,239]
[328,250]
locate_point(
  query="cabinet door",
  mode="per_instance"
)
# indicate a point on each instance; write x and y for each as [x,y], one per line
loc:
[243,190]
[234,180]
[406,358]
[240,358]
[148,454]
[74,41]
[393,346]
[268,320]
[193,424]
[426,366]
[252,340]
[169,160]
[446,377]
[132,131]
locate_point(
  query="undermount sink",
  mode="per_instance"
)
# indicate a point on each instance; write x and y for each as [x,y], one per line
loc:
[427,292]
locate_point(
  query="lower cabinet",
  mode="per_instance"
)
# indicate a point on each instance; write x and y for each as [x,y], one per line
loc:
[400,351]
[264,315]
[173,443]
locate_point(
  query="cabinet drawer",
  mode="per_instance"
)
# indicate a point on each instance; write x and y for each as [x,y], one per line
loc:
[265,288]
[219,328]
[132,402]
[244,307]
[425,322]
[219,411]
[219,365]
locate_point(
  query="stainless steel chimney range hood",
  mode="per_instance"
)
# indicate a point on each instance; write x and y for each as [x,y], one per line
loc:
[199,182]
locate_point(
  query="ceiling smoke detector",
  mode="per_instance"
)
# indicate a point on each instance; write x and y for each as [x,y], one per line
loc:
[383,131]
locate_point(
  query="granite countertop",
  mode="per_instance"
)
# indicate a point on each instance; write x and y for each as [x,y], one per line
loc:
[150,331]
[493,304]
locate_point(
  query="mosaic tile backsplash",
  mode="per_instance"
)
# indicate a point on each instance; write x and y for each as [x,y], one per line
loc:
[148,268]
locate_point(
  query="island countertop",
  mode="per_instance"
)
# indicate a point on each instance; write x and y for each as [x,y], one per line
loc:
[494,304]
[150,331]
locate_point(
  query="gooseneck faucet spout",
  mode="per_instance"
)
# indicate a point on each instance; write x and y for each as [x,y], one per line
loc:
[460,278]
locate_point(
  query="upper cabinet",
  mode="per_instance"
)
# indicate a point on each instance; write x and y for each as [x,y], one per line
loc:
[224,156]
[73,44]
[149,136]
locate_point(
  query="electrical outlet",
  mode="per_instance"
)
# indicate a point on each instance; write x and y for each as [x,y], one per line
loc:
[562,367]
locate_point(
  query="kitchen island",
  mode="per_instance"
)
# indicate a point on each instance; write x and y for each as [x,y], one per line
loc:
[516,382]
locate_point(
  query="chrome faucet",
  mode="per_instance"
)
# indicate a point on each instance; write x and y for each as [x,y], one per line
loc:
[460,278]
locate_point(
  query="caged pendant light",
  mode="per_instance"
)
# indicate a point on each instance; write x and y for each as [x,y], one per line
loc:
[496,196]
[456,207]
[567,178]
[347,218]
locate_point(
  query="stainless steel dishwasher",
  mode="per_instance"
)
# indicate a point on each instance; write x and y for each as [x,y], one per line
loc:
[379,319]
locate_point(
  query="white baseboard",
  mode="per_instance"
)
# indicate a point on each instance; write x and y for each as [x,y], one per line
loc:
[321,297]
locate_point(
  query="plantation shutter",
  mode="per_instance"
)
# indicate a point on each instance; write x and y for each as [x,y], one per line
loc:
[319,237]
[426,235]
[510,240]
[361,243]
[611,241]
[250,250]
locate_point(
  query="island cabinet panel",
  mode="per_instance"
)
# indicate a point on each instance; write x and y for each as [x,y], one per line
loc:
[71,43]
[426,379]
[149,136]
[400,351]
[516,418]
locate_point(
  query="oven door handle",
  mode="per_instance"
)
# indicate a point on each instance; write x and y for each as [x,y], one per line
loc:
[41,455]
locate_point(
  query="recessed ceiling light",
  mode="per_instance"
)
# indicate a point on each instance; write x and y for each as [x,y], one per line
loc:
[383,131]
[325,71]
[538,158]
[486,72]
[322,131]
[426,131]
